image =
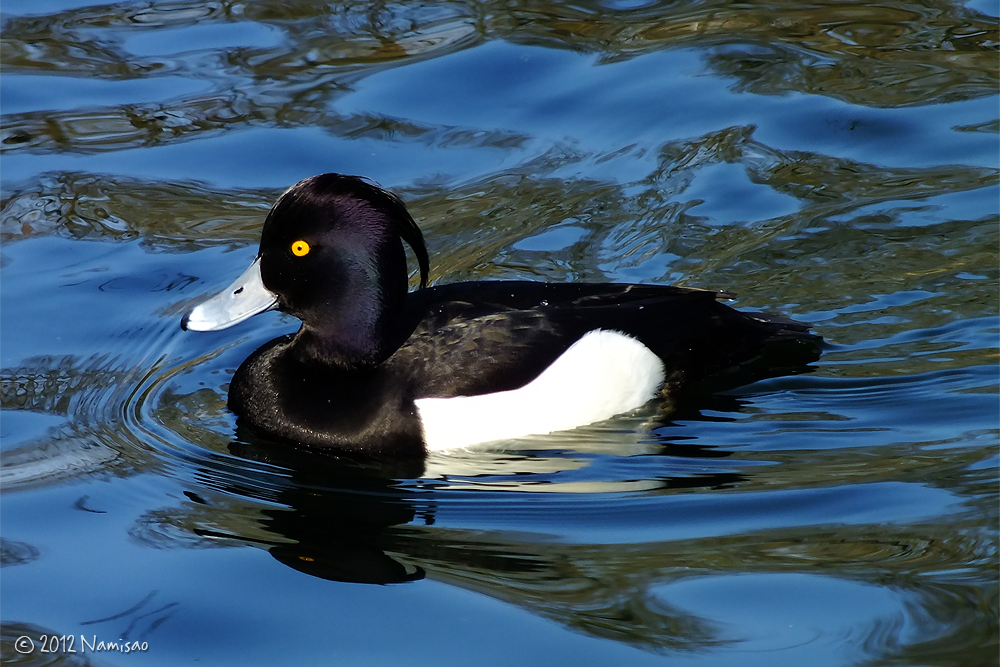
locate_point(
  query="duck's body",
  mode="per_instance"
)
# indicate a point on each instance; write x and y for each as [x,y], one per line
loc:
[377,370]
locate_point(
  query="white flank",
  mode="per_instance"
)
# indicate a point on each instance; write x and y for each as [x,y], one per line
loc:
[603,374]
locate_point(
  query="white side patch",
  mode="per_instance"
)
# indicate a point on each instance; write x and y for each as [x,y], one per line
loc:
[603,374]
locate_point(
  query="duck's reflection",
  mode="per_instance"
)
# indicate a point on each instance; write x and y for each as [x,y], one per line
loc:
[502,535]
[350,521]
[337,514]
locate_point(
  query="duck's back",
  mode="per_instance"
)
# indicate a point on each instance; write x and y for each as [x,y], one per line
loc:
[483,337]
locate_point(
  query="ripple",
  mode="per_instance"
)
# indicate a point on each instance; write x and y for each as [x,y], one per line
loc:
[13,552]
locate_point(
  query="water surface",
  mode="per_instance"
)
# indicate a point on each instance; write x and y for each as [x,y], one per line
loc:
[836,163]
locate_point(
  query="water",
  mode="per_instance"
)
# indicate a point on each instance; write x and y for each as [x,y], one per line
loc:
[834,163]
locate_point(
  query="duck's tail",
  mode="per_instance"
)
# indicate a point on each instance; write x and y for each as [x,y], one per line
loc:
[788,348]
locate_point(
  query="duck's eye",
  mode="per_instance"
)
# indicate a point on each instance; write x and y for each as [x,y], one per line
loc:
[300,248]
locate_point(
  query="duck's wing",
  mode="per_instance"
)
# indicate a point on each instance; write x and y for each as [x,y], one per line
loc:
[482,337]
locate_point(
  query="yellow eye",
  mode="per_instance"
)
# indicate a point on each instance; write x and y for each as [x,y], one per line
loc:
[300,248]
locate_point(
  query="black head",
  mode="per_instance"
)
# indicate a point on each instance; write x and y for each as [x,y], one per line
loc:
[331,250]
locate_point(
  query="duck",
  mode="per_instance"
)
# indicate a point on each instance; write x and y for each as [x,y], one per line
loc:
[377,369]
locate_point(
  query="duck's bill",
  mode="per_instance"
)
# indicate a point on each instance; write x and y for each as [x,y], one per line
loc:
[240,301]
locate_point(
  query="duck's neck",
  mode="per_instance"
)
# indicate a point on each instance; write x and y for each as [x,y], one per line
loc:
[355,344]
[358,331]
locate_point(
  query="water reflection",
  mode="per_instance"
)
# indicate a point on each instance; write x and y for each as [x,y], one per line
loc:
[13,552]
[345,522]
[292,61]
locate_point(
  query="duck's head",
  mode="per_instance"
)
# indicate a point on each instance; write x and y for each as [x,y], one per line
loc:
[331,254]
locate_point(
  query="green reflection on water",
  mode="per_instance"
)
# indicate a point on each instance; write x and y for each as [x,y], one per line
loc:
[884,55]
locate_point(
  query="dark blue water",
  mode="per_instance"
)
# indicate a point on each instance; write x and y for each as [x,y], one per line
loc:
[836,163]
